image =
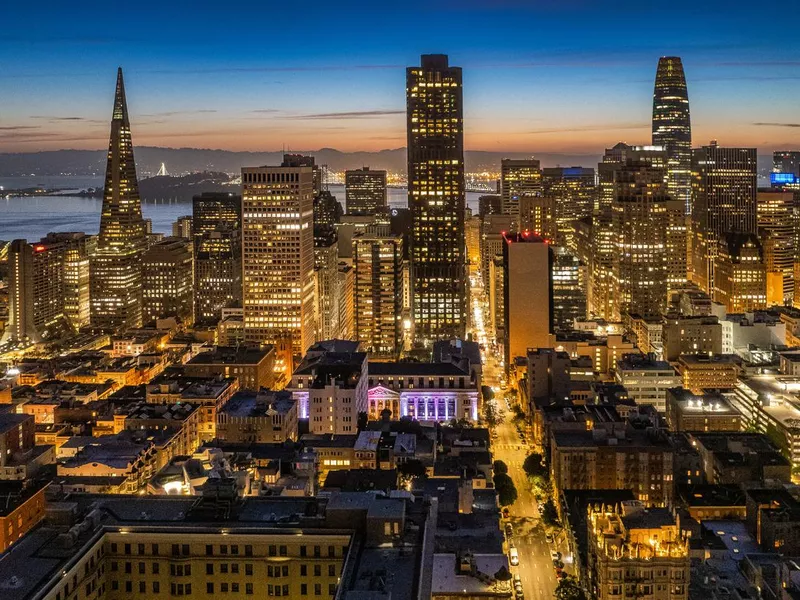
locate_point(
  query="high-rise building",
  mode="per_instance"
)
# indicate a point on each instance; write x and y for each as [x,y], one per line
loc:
[168,280]
[365,191]
[347,284]
[528,296]
[518,178]
[776,231]
[116,267]
[217,234]
[571,192]
[672,128]
[301,160]
[472,233]
[489,204]
[36,292]
[724,186]
[740,277]
[639,224]
[537,214]
[77,250]
[326,285]
[278,255]
[182,227]
[491,242]
[785,168]
[569,289]
[436,196]
[378,293]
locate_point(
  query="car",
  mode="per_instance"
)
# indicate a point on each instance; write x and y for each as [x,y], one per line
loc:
[547,536]
[520,595]
[517,579]
[509,530]
[518,586]
[555,555]
[506,512]
[513,556]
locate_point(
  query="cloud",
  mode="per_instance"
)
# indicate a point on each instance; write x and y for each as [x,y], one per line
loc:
[797,125]
[606,127]
[174,113]
[357,114]
[265,110]
[19,127]
[55,119]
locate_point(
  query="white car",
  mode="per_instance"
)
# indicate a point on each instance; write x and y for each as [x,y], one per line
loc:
[513,556]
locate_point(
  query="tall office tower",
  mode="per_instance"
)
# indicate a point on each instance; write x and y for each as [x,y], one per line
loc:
[216,225]
[740,278]
[492,232]
[300,160]
[327,210]
[569,289]
[776,231]
[436,196]
[518,178]
[116,267]
[182,227]
[278,255]
[528,294]
[603,294]
[168,280]
[36,292]
[724,186]
[639,224]
[537,214]
[326,284]
[77,250]
[785,168]
[571,192]
[347,284]
[497,304]
[378,293]
[365,191]
[672,128]
[489,205]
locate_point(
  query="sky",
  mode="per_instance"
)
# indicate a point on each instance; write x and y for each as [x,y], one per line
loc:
[539,75]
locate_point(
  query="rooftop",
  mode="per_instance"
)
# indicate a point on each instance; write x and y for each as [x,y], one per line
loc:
[414,369]
[258,404]
[242,355]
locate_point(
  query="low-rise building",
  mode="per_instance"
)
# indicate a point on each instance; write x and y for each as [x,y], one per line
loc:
[702,371]
[253,367]
[637,552]
[740,457]
[22,507]
[646,379]
[701,412]
[691,335]
[706,502]
[773,516]
[258,417]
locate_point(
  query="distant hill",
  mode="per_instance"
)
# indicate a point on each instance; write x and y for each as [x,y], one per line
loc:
[190,160]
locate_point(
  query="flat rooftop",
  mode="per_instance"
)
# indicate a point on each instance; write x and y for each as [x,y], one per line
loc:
[242,355]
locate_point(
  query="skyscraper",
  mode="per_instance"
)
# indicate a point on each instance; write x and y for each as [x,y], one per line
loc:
[116,267]
[168,280]
[378,293]
[776,232]
[672,128]
[519,178]
[217,233]
[365,191]
[278,255]
[77,250]
[571,192]
[436,196]
[724,186]
[785,168]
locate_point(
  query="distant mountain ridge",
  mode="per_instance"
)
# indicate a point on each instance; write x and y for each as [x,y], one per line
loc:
[191,160]
[188,160]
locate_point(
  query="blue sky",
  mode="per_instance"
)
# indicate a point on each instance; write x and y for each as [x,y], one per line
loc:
[542,76]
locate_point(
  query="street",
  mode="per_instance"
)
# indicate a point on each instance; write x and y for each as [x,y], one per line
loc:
[535,567]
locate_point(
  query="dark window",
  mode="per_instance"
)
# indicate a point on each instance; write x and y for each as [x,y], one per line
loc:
[317,589]
[248,588]
[317,570]
[129,586]
[155,568]
[248,550]
[235,587]
[142,587]
[273,550]
[114,566]
[141,549]
[283,550]
[188,589]
[127,548]
[114,547]
[175,549]
[185,549]
[209,588]
[286,590]
[209,550]
[223,587]
[156,587]
[248,569]
[285,570]
[141,568]
[234,567]
[209,568]
[154,549]
[114,584]
[234,549]
[128,567]
[223,568]
[331,551]
[331,570]
[304,589]
[303,553]
[303,570]
[223,549]
[317,551]
[332,589]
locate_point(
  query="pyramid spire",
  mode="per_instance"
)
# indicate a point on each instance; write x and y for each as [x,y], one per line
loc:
[120,104]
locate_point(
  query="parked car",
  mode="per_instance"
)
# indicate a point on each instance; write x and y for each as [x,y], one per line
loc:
[513,557]
[547,536]
[509,530]
[506,512]
[555,555]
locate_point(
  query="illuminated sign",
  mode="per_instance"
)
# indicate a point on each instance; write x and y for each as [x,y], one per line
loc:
[783,178]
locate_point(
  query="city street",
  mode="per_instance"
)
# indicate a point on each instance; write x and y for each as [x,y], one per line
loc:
[535,568]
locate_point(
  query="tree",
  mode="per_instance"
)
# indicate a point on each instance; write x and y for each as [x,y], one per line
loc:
[386,415]
[569,589]
[361,423]
[534,466]
[500,468]
[506,491]
[549,513]
[411,469]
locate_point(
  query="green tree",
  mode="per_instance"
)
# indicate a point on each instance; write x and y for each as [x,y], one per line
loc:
[534,466]
[506,491]
[549,513]
[500,468]
[569,589]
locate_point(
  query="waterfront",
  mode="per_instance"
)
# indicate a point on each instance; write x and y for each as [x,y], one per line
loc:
[33,217]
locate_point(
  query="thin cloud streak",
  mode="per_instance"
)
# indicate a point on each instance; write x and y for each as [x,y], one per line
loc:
[764,124]
[358,114]
[608,127]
